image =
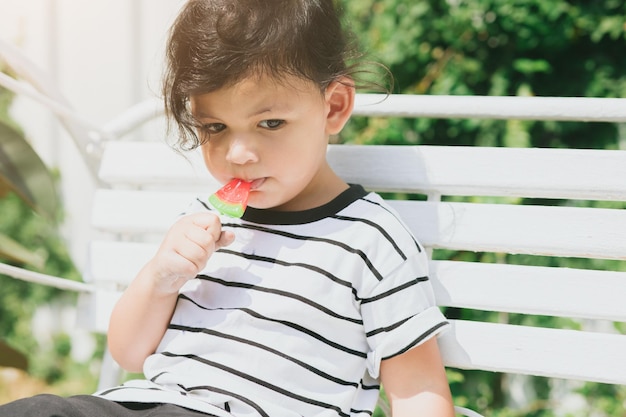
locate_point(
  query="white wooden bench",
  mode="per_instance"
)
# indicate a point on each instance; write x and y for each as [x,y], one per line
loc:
[145,185]
[151,184]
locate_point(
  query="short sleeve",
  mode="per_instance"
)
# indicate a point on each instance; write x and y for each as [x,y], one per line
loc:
[400,312]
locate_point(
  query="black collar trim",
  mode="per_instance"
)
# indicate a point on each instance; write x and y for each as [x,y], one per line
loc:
[268,216]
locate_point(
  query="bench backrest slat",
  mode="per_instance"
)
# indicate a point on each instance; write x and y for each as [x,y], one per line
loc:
[554,231]
[447,170]
[565,292]
[491,107]
[479,171]
[534,230]
[538,351]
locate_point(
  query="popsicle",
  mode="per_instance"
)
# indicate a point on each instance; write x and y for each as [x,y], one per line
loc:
[232,198]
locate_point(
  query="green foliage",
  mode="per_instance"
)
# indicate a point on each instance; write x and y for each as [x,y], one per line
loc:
[23,172]
[609,399]
[29,237]
[493,47]
[18,299]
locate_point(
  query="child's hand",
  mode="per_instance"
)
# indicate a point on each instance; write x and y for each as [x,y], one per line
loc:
[185,250]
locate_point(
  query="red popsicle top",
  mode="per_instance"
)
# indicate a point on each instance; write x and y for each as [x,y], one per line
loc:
[232,198]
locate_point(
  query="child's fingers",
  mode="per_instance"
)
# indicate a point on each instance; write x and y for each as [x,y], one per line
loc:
[213,226]
[209,222]
[196,250]
[188,246]
[197,237]
[205,239]
[226,238]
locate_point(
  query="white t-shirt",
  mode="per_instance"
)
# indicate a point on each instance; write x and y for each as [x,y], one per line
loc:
[294,318]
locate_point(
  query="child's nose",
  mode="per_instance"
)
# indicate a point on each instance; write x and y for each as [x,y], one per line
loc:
[241,150]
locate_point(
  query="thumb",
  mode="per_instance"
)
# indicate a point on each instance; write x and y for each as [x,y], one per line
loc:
[226,238]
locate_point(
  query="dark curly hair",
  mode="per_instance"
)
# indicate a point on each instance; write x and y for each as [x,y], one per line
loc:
[217,43]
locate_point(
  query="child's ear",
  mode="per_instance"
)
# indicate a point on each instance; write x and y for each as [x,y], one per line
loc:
[339,96]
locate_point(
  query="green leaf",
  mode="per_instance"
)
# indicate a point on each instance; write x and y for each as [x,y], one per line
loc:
[22,171]
[530,66]
[15,252]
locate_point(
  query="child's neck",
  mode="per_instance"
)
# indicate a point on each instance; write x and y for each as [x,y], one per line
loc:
[323,189]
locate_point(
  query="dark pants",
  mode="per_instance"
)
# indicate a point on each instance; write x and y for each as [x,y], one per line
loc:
[46,405]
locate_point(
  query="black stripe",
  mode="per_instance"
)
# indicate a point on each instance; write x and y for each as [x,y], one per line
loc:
[379,228]
[229,393]
[289,324]
[255,380]
[313,268]
[395,290]
[369,387]
[266,348]
[388,328]
[122,388]
[273,217]
[158,375]
[353,412]
[206,206]
[417,341]
[341,245]
[417,245]
[282,294]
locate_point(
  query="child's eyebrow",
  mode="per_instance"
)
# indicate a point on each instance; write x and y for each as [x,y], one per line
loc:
[271,107]
[283,108]
[261,111]
[201,115]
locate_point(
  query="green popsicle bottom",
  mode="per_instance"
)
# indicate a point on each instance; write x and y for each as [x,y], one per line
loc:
[229,209]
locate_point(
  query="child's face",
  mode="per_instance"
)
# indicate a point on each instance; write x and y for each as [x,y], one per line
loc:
[274,135]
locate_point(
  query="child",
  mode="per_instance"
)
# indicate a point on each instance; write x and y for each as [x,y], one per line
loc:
[319,293]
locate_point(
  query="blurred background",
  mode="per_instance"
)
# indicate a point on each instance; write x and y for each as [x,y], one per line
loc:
[106,56]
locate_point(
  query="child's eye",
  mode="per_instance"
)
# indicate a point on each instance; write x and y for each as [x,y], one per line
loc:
[213,127]
[272,123]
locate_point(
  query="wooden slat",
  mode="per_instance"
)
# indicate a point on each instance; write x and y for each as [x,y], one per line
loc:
[563,292]
[96,308]
[492,107]
[141,164]
[131,212]
[482,171]
[446,170]
[535,351]
[536,230]
[117,263]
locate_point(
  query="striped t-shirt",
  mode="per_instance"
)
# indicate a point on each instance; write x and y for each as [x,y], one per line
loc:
[294,317]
